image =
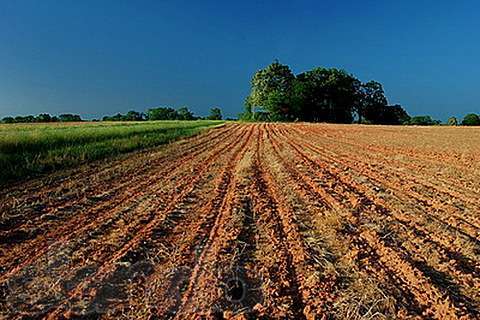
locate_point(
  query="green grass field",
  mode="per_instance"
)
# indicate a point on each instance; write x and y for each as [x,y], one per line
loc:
[29,149]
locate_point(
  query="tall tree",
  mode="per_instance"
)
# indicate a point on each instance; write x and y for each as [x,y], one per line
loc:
[271,89]
[325,95]
[396,114]
[372,103]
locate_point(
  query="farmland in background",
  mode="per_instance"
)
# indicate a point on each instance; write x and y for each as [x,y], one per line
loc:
[281,221]
[29,149]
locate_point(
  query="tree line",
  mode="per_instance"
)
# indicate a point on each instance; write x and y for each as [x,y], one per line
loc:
[321,95]
[158,113]
[43,117]
[164,113]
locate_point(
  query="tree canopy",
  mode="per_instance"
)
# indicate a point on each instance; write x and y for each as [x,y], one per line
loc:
[129,116]
[184,114]
[168,113]
[423,121]
[318,95]
[471,119]
[215,114]
[322,94]
[67,117]
[271,90]
[162,113]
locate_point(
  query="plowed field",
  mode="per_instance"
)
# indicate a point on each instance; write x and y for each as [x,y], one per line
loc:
[282,221]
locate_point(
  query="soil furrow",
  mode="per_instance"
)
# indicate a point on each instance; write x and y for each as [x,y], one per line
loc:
[91,219]
[338,199]
[204,262]
[253,221]
[156,217]
[46,200]
[381,184]
[346,229]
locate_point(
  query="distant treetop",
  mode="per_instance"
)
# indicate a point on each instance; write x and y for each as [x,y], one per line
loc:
[158,113]
[215,114]
[43,118]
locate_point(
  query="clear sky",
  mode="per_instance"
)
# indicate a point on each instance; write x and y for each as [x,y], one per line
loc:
[101,57]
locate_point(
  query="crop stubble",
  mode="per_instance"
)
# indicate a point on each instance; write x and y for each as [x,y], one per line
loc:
[253,220]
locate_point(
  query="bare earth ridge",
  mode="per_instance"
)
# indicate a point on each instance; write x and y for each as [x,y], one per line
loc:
[281,221]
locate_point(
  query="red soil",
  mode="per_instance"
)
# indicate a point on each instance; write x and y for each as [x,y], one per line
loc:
[283,221]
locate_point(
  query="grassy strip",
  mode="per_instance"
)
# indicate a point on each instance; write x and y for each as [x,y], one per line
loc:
[27,150]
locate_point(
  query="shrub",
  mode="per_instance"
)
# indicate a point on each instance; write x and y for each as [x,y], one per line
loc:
[423,121]
[8,120]
[452,121]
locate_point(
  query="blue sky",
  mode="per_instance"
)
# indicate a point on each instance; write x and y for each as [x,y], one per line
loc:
[101,57]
